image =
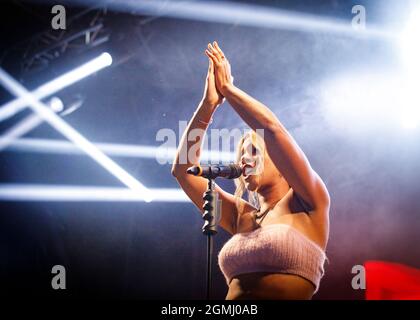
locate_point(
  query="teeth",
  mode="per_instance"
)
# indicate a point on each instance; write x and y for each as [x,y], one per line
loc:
[248,171]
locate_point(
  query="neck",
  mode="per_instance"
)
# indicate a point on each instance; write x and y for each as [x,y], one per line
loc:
[269,195]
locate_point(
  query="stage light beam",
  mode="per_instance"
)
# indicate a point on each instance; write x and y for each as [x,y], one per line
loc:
[53,193]
[28,124]
[11,108]
[61,126]
[54,146]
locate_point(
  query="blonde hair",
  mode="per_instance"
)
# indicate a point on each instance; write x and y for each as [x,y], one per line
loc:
[259,143]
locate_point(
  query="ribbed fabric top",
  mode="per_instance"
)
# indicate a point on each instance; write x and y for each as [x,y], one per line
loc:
[276,248]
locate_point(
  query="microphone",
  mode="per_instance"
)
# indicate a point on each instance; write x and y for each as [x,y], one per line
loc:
[230,171]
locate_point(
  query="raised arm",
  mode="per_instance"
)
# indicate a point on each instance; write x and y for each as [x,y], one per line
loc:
[189,151]
[281,147]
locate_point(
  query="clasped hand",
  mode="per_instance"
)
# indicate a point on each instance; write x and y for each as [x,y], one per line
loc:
[219,77]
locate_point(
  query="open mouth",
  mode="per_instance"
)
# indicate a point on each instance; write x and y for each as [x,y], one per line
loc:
[248,170]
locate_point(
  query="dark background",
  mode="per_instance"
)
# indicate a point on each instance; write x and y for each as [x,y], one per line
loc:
[156,250]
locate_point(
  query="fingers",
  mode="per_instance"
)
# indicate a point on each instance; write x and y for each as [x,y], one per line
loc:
[215,52]
[211,56]
[216,45]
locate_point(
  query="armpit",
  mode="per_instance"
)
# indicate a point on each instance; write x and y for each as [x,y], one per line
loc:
[297,204]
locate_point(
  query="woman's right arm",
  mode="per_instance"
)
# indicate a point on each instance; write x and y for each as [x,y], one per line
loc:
[188,154]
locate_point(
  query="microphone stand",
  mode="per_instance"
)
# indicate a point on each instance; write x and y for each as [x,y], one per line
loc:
[211,216]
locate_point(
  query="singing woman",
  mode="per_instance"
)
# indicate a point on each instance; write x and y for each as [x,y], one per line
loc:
[280,233]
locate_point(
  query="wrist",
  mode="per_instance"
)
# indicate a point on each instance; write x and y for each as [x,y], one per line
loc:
[209,104]
[204,114]
[227,90]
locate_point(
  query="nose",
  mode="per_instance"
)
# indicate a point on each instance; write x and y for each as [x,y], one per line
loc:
[247,161]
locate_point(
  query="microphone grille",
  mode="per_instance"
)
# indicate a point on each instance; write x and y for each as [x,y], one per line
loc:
[236,171]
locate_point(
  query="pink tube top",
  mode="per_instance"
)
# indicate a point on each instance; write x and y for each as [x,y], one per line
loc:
[275,248]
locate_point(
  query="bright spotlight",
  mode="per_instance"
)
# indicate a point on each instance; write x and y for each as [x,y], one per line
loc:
[410,116]
[56,104]
[410,44]
[105,59]
[409,121]
[364,102]
[359,102]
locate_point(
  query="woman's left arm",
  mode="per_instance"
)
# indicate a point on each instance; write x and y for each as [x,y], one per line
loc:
[281,147]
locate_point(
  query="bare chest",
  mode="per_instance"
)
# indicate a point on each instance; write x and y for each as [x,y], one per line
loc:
[249,221]
[301,221]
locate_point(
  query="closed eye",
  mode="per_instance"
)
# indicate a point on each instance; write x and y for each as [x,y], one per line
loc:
[253,150]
